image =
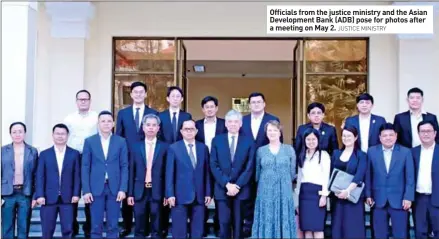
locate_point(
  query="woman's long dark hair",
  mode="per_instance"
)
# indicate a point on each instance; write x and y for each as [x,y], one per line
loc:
[302,155]
[354,131]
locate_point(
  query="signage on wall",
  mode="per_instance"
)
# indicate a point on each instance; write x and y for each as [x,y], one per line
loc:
[240,105]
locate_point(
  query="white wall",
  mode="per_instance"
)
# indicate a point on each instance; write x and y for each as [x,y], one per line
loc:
[170,19]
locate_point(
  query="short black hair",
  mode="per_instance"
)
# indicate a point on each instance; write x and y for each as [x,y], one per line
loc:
[181,127]
[171,88]
[207,99]
[256,94]
[138,83]
[387,126]
[83,91]
[315,105]
[415,90]
[365,96]
[61,126]
[105,112]
[424,122]
[17,123]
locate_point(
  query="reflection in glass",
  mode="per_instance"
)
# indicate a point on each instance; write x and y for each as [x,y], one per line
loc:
[336,55]
[157,89]
[145,55]
[338,93]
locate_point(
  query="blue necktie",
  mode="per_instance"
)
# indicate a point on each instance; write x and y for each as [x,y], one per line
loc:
[232,148]
[192,155]
[137,119]
[174,125]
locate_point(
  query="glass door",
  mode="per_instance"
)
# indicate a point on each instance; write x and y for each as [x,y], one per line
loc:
[180,76]
[297,89]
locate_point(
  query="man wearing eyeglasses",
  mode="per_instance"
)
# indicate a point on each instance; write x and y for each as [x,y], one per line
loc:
[426,159]
[82,124]
[188,188]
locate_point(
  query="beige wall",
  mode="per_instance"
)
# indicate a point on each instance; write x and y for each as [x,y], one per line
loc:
[277,95]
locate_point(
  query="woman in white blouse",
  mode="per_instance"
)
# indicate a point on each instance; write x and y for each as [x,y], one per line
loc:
[313,179]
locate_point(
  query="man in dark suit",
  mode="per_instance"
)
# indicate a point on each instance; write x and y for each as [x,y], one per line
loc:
[147,179]
[209,127]
[104,176]
[328,134]
[390,184]
[58,184]
[188,188]
[232,163]
[406,122]
[173,118]
[129,126]
[171,121]
[253,126]
[426,158]
[367,124]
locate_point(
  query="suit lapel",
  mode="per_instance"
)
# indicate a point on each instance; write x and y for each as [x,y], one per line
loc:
[110,147]
[143,153]
[261,131]
[435,162]
[227,146]
[131,116]
[352,164]
[10,155]
[185,153]
[408,125]
[201,131]
[100,149]
[371,126]
[381,160]
[238,148]
[357,126]
[247,125]
[156,152]
[218,128]
[394,157]
[55,160]
[200,155]
[26,160]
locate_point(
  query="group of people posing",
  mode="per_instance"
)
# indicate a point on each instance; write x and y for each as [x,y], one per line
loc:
[162,165]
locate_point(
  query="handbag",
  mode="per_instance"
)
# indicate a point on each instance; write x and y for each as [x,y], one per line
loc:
[341,180]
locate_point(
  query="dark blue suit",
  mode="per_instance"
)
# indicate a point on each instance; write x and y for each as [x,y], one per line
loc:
[403,127]
[166,128]
[189,186]
[388,190]
[126,126]
[238,171]
[17,201]
[427,206]
[148,201]
[374,128]
[328,138]
[220,128]
[94,167]
[261,138]
[348,218]
[58,192]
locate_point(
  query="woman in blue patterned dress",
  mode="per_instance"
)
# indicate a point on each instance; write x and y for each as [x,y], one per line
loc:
[275,171]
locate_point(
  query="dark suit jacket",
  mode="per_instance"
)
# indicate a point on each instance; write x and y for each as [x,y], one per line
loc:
[328,138]
[374,128]
[48,182]
[261,138]
[94,165]
[166,130]
[416,151]
[357,165]
[239,172]
[126,125]
[220,128]
[183,182]
[395,186]
[403,127]
[29,168]
[138,170]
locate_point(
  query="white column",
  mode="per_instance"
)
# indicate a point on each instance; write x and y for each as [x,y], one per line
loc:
[18,65]
[63,68]
[418,63]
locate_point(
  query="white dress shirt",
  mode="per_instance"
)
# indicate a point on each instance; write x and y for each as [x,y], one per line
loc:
[315,172]
[141,111]
[105,145]
[387,157]
[229,136]
[424,184]
[147,159]
[171,113]
[256,124]
[364,131]
[209,132]
[80,127]
[189,149]
[154,143]
[414,121]
[60,159]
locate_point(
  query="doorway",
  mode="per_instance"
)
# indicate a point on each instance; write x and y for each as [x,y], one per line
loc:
[291,73]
